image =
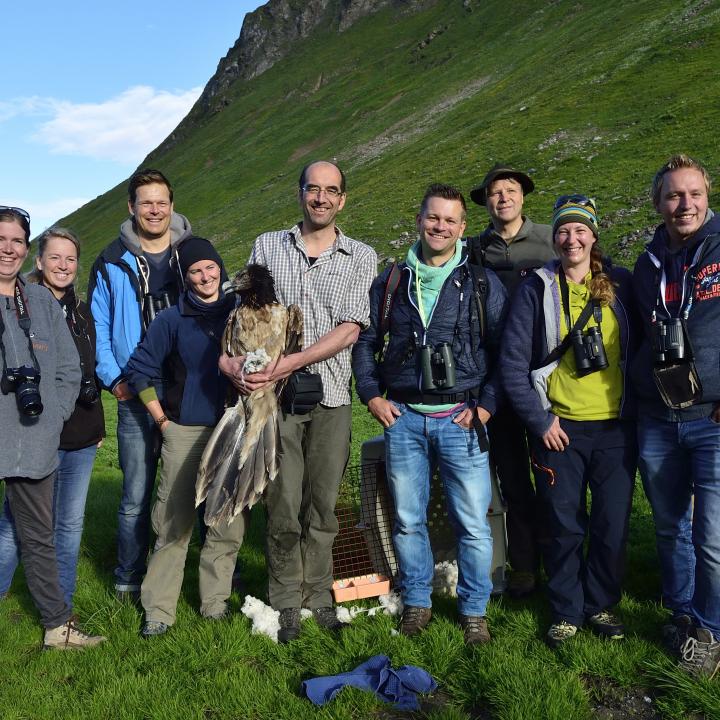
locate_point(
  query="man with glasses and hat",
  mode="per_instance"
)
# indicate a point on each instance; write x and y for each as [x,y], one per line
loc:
[512,245]
[328,275]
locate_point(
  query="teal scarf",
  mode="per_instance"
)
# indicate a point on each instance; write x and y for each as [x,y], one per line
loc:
[428,280]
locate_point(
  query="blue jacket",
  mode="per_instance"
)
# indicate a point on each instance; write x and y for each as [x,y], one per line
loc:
[449,322]
[180,351]
[532,331]
[702,288]
[115,292]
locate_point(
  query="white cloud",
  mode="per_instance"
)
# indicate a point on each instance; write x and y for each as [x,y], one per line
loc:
[35,105]
[44,214]
[123,129]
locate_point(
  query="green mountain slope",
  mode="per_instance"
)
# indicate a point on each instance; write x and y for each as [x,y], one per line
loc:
[592,97]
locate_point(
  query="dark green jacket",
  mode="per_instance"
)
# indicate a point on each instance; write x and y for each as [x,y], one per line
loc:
[531,248]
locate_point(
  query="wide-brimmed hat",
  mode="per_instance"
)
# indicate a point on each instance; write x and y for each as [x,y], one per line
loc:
[499,171]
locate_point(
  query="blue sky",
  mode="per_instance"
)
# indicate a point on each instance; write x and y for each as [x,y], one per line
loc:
[89,88]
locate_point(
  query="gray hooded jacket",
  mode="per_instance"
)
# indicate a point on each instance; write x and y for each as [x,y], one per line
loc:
[30,444]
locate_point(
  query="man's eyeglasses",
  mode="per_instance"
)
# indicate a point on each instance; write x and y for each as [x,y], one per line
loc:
[16,210]
[583,200]
[331,192]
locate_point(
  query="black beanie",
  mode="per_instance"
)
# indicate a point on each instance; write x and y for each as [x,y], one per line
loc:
[194,249]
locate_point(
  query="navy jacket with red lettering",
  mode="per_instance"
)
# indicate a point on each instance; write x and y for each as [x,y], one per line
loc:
[698,269]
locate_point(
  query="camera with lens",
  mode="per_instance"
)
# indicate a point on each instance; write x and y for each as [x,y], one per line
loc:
[589,350]
[89,393]
[669,341]
[437,367]
[25,383]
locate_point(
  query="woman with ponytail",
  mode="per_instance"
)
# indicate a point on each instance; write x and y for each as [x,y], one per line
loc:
[565,351]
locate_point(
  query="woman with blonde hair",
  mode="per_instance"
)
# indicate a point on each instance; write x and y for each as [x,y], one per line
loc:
[565,351]
[56,266]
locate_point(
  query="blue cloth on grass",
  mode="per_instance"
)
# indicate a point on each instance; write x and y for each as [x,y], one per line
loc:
[376,674]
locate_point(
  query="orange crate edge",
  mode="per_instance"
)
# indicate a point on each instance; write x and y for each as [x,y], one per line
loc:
[363,586]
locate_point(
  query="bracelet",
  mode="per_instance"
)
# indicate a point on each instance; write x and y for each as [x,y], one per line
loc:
[161,420]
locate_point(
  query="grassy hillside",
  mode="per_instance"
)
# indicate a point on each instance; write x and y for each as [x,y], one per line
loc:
[591,96]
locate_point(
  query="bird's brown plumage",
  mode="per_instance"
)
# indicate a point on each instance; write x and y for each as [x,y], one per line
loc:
[241,455]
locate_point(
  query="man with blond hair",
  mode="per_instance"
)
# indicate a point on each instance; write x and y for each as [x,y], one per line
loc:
[677,381]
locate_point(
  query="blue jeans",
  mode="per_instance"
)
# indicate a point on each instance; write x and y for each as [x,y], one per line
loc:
[414,446]
[679,460]
[138,452]
[69,495]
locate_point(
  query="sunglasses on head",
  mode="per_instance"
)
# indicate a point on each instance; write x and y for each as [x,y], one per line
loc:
[16,210]
[583,200]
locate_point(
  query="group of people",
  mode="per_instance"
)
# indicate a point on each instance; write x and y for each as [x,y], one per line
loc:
[522,351]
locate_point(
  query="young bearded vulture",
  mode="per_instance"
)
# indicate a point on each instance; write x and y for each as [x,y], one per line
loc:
[241,456]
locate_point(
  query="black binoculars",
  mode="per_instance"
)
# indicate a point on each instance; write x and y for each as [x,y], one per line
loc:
[589,350]
[437,367]
[153,305]
[669,341]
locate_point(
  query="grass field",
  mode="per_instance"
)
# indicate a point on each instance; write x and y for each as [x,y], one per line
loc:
[220,671]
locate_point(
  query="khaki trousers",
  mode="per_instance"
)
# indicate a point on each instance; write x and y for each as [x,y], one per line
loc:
[173,518]
[300,504]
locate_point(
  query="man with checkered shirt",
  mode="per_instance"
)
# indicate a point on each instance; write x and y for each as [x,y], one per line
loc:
[316,266]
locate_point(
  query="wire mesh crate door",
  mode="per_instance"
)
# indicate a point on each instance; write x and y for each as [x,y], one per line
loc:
[360,566]
[373,508]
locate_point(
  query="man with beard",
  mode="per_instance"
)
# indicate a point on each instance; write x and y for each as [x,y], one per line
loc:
[328,275]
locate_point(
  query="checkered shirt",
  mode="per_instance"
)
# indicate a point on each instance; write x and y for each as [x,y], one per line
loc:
[333,290]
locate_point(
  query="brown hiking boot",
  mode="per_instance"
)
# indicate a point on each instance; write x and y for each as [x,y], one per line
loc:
[414,619]
[475,629]
[70,637]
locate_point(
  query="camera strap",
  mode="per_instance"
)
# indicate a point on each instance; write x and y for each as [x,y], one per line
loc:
[565,293]
[79,327]
[592,308]
[23,315]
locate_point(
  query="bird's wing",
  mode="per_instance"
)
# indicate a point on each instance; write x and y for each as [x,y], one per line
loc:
[258,459]
[293,330]
[248,460]
[231,340]
[293,338]
[218,466]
